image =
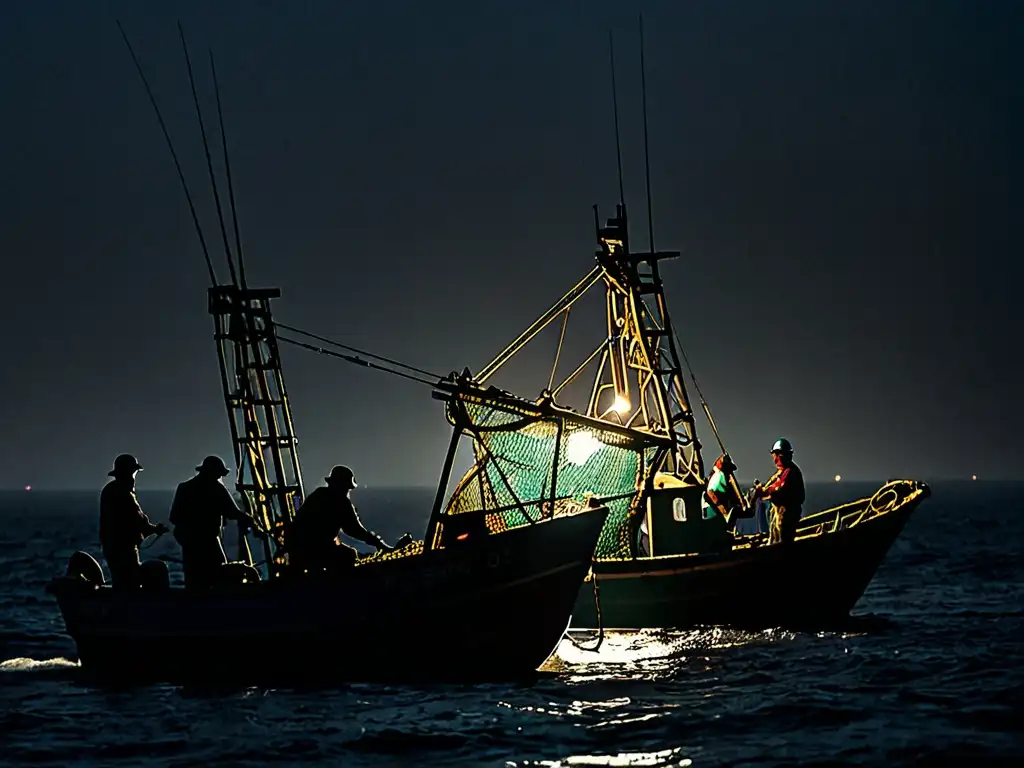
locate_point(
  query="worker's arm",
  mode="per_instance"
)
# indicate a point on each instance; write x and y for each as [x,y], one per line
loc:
[145,526]
[353,526]
[776,483]
[231,510]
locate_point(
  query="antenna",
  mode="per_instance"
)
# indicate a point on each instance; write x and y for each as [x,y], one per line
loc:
[227,167]
[209,161]
[647,159]
[615,109]
[174,155]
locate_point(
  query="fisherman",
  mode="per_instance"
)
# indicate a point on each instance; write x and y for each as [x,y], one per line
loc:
[785,490]
[312,538]
[123,524]
[716,493]
[200,507]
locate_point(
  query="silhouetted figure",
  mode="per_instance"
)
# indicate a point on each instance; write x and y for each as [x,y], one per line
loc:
[123,524]
[312,539]
[200,507]
[785,490]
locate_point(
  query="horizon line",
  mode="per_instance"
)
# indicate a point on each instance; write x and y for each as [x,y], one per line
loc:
[432,488]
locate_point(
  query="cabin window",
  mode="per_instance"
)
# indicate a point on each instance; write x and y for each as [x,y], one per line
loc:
[679,509]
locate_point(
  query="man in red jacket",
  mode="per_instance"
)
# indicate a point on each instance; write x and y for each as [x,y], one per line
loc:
[785,490]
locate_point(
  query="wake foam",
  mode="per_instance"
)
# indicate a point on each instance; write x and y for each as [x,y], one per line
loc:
[24,664]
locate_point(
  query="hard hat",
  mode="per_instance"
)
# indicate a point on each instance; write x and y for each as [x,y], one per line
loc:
[124,464]
[782,445]
[213,465]
[343,475]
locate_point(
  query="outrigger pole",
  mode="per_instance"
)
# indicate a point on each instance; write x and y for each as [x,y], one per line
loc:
[250,366]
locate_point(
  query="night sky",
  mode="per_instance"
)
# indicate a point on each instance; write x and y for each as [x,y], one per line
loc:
[841,178]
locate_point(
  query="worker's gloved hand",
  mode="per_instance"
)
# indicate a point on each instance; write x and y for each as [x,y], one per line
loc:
[160,529]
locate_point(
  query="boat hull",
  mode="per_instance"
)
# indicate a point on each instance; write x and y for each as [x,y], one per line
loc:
[493,609]
[812,582]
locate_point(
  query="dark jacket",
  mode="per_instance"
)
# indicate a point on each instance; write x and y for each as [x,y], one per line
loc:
[123,524]
[786,488]
[200,507]
[323,515]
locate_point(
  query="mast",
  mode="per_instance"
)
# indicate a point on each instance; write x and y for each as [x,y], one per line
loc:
[641,355]
[638,383]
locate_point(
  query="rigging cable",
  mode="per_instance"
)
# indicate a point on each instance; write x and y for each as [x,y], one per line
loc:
[209,160]
[359,361]
[364,353]
[703,402]
[174,156]
[558,352]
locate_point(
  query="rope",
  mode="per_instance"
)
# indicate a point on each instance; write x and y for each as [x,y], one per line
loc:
[696,386]
[558,352]
[150,544]
[339,345]
[600,622]
[359,361]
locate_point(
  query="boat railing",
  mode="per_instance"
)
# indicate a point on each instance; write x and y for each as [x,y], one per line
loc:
[886,499]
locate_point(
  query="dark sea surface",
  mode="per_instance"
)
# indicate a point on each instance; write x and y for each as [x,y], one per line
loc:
[930,670]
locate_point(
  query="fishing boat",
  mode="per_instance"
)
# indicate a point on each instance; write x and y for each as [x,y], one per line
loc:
[486,594]
[660,563]
[691,570]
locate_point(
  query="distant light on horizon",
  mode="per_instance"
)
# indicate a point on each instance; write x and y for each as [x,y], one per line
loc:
[838,478]
[28,487]
[974,477]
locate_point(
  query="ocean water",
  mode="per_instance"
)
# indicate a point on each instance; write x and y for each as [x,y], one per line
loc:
[929,670]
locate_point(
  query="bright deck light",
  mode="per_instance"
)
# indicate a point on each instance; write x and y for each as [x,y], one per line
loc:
[622,405]
[580,447]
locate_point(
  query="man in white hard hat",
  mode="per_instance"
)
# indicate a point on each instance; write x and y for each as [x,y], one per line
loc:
[785,490]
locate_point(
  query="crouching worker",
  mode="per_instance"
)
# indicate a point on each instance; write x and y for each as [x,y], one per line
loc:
[200,507]
[722,495]
[312,538]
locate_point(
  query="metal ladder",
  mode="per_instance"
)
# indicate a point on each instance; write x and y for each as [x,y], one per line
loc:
[263,438]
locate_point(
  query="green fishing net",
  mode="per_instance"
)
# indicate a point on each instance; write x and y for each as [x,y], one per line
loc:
[514,470]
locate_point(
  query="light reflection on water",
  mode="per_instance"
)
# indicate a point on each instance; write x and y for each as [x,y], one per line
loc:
[649,655]
[664,757]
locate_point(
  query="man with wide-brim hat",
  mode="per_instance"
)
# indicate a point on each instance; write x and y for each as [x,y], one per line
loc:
[123,524]
[312,538]
[200,507]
